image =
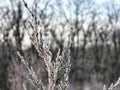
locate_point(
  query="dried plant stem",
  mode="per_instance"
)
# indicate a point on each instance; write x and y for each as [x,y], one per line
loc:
[112,86]
[55,69]
[48,64]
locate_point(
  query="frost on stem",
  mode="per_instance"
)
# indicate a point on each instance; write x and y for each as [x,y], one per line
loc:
[113,86]
[32,75]
[56,69]
[59,68]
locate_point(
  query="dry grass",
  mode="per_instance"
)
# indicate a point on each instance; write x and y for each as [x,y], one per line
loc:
[56,69]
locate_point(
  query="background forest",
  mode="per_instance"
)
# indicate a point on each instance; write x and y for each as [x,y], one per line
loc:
[95,49]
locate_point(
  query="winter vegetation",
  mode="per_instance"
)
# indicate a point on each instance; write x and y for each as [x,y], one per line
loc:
[59,45]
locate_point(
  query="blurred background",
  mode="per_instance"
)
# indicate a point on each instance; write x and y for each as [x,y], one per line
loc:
[95,51]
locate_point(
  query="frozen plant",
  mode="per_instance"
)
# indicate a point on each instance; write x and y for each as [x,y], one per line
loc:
[57,69]
[113,86]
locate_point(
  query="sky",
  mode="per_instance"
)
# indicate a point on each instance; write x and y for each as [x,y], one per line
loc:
[6,2]
[101,1]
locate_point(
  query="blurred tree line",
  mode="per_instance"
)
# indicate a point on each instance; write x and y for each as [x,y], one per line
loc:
[96,42]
